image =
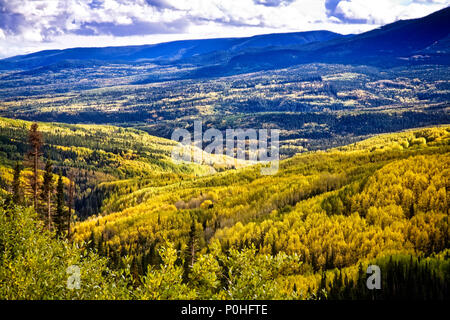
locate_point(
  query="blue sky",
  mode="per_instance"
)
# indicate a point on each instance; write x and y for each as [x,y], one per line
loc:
[33,25]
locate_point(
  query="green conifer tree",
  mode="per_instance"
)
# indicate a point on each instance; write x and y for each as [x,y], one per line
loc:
[60,215]
[47,193]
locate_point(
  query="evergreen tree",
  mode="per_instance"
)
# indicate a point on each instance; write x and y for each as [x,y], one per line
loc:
[60,216]
[321,292]
[35,141]
[47,192]
[191,249]
[71,196]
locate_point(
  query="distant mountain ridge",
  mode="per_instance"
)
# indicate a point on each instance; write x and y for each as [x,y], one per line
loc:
[416,41]
[166,52]
[404,41]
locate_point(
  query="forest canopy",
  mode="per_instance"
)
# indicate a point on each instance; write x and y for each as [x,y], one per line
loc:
[160,231]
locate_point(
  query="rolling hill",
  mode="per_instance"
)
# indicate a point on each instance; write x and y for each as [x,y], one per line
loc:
[96,156]
[306,231]
[330,209]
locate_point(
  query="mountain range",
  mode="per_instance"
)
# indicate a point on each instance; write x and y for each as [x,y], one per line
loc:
[416,41]
[169,52]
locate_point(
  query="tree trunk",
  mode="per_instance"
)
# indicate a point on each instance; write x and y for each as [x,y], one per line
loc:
[71,196]
[35,182]
[193,254]
[49,210]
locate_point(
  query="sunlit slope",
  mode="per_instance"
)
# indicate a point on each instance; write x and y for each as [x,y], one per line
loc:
[119,151]
[385,194]
[93,154]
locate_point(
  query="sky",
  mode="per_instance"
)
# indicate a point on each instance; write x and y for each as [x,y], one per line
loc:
[34,25]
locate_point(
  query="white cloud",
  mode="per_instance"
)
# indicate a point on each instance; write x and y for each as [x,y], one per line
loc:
[386,11]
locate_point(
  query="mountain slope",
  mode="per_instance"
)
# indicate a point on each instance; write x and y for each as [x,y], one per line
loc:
[391,45]
[403,42]
[169,51]
[94,155]
[399,39]
[332,208]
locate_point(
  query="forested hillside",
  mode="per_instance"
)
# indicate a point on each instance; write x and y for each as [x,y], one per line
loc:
[95,205]
[93,156]
[315,106]
[173,231]
[331,209]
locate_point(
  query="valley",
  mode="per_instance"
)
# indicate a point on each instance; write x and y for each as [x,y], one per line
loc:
[324,210]
[88,180]
[314,106]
